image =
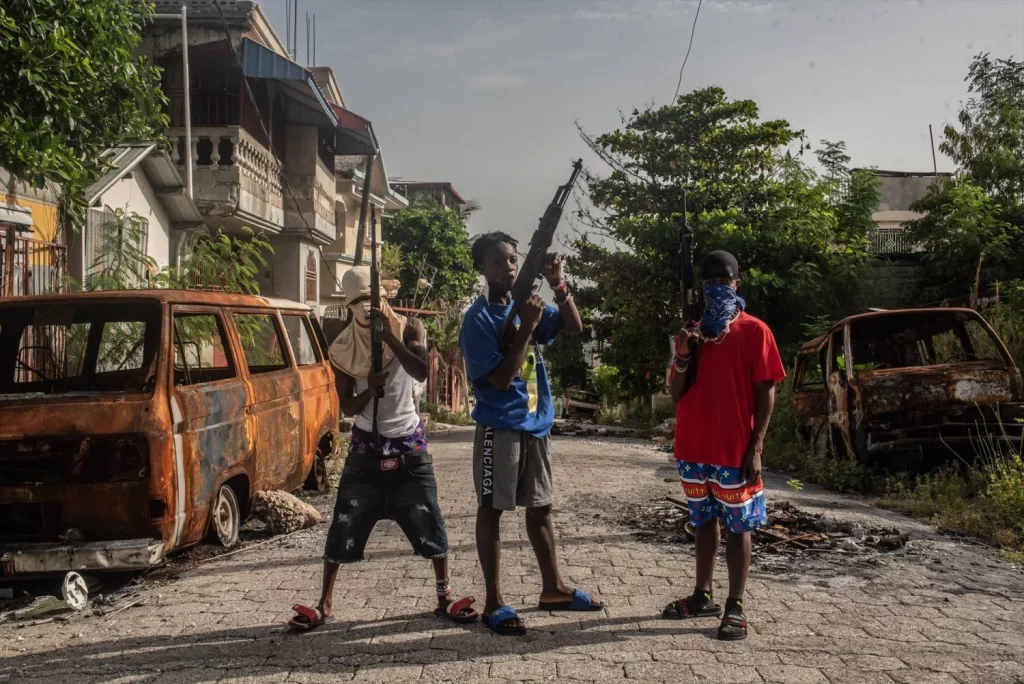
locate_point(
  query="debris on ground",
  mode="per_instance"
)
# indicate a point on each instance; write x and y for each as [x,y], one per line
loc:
[572,428]
[283,513]
[789,530]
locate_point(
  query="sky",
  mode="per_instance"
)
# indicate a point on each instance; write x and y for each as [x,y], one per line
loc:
[486,94]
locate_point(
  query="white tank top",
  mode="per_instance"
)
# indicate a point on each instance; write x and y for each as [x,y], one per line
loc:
[396,410]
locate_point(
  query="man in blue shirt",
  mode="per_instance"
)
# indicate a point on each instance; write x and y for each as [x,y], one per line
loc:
[514,412]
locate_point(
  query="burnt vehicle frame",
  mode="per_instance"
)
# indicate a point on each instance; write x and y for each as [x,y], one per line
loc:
[137,423]
[906,387]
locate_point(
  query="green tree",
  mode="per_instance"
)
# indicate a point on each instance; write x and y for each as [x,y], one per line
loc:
[966,241]
[219,260]
[438,239]
[121,264]
[73,85]
[746,192]
[566,358]
[973,230]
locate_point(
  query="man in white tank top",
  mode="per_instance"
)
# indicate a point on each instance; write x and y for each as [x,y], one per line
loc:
[389,478]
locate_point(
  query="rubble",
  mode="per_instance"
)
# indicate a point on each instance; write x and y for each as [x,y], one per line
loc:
[283,513]
[789,530]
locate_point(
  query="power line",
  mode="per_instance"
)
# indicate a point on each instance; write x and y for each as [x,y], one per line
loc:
[693,30]
[270,146]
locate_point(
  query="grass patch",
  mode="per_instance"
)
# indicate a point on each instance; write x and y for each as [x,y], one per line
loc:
[984,499]
[441,414]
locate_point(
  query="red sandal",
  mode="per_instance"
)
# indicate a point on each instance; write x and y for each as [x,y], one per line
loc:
[460,611]
[307,619]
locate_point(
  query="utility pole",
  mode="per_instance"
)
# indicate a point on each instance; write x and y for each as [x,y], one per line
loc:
[935,164]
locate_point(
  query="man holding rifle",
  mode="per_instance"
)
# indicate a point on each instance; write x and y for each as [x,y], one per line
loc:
[722,414]
[388,472]
[514,413]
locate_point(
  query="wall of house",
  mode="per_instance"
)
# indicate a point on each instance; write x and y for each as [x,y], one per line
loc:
[312,184]
[42,202]
[894,283]
[134,193]
[285,273]
[897,193]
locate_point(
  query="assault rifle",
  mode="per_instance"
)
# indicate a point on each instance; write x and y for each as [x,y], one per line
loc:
[376,322]
[376,325]
[532,266]
[687,288]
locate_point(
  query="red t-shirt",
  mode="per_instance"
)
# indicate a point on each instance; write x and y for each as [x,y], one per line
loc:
[715,418]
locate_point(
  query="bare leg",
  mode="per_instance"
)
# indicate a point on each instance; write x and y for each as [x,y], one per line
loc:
[707,537]
[441,573]
[737,559]
[541,531]
[488,548]
[327,593]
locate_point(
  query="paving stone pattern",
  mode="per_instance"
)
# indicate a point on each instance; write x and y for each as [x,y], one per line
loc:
[949,613]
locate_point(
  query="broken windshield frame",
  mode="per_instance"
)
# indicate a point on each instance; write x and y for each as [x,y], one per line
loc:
[89,347]
[915,340]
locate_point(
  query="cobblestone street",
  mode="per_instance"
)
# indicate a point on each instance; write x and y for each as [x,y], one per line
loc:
[946,612]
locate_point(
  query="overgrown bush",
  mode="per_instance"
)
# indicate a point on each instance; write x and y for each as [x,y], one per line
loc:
[984,499]
[605,380]
[441,414]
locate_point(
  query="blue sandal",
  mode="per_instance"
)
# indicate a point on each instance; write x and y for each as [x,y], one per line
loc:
[496,621]
[581,601]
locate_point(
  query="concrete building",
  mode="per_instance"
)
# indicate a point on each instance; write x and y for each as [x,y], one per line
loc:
[32,254]
[898,190]
[442,191]
[265,132]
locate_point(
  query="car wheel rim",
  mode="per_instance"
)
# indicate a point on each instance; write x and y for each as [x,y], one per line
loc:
[225,519]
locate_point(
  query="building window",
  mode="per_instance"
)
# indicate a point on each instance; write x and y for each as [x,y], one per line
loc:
[311,288]
[109,235]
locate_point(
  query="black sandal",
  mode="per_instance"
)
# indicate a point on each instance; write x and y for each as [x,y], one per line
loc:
[687,609]
[733,628]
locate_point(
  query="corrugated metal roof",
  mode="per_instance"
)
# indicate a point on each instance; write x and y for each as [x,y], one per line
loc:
[306,104]
[161,173]
[124,158]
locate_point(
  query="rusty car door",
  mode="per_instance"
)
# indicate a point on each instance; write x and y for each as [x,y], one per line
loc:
[208,398]
[276,409]
[811,399]
[839,369]
[316,381]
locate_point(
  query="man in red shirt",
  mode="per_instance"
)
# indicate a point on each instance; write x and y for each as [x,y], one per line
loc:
[721,422]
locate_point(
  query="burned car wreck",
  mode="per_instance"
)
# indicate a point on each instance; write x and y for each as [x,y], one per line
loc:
[137,423]
[908,388]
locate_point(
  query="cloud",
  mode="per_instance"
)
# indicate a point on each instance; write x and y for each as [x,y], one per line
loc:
[497,81]
[748,6]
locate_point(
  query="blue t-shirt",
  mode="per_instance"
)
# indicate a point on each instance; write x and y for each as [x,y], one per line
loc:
[526,406]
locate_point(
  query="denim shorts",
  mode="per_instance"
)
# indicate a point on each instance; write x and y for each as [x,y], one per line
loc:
[368,494]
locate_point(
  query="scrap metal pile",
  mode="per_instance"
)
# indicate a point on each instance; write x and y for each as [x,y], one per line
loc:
[789,530]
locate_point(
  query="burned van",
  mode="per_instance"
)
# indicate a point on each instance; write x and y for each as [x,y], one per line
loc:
[136,423]
[921,383]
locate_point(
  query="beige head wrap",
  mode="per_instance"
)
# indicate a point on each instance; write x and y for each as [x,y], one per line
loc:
[350,352]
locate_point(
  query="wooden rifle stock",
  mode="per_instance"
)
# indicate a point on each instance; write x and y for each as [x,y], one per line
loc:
[522,288]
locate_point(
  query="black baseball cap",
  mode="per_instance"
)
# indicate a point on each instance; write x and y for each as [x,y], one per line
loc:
[720,264]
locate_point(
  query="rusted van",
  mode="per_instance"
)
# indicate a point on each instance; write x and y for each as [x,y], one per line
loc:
[902,387]
[136,423]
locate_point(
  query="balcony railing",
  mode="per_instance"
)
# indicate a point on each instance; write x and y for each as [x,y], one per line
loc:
[227,156]
[29,266]
[891,241]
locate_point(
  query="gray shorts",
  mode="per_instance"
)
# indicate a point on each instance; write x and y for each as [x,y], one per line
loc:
[511,469]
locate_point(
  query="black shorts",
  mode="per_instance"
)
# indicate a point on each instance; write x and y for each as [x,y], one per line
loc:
[366,495]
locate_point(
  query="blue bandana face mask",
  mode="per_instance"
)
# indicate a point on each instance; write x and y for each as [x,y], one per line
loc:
[721,306]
